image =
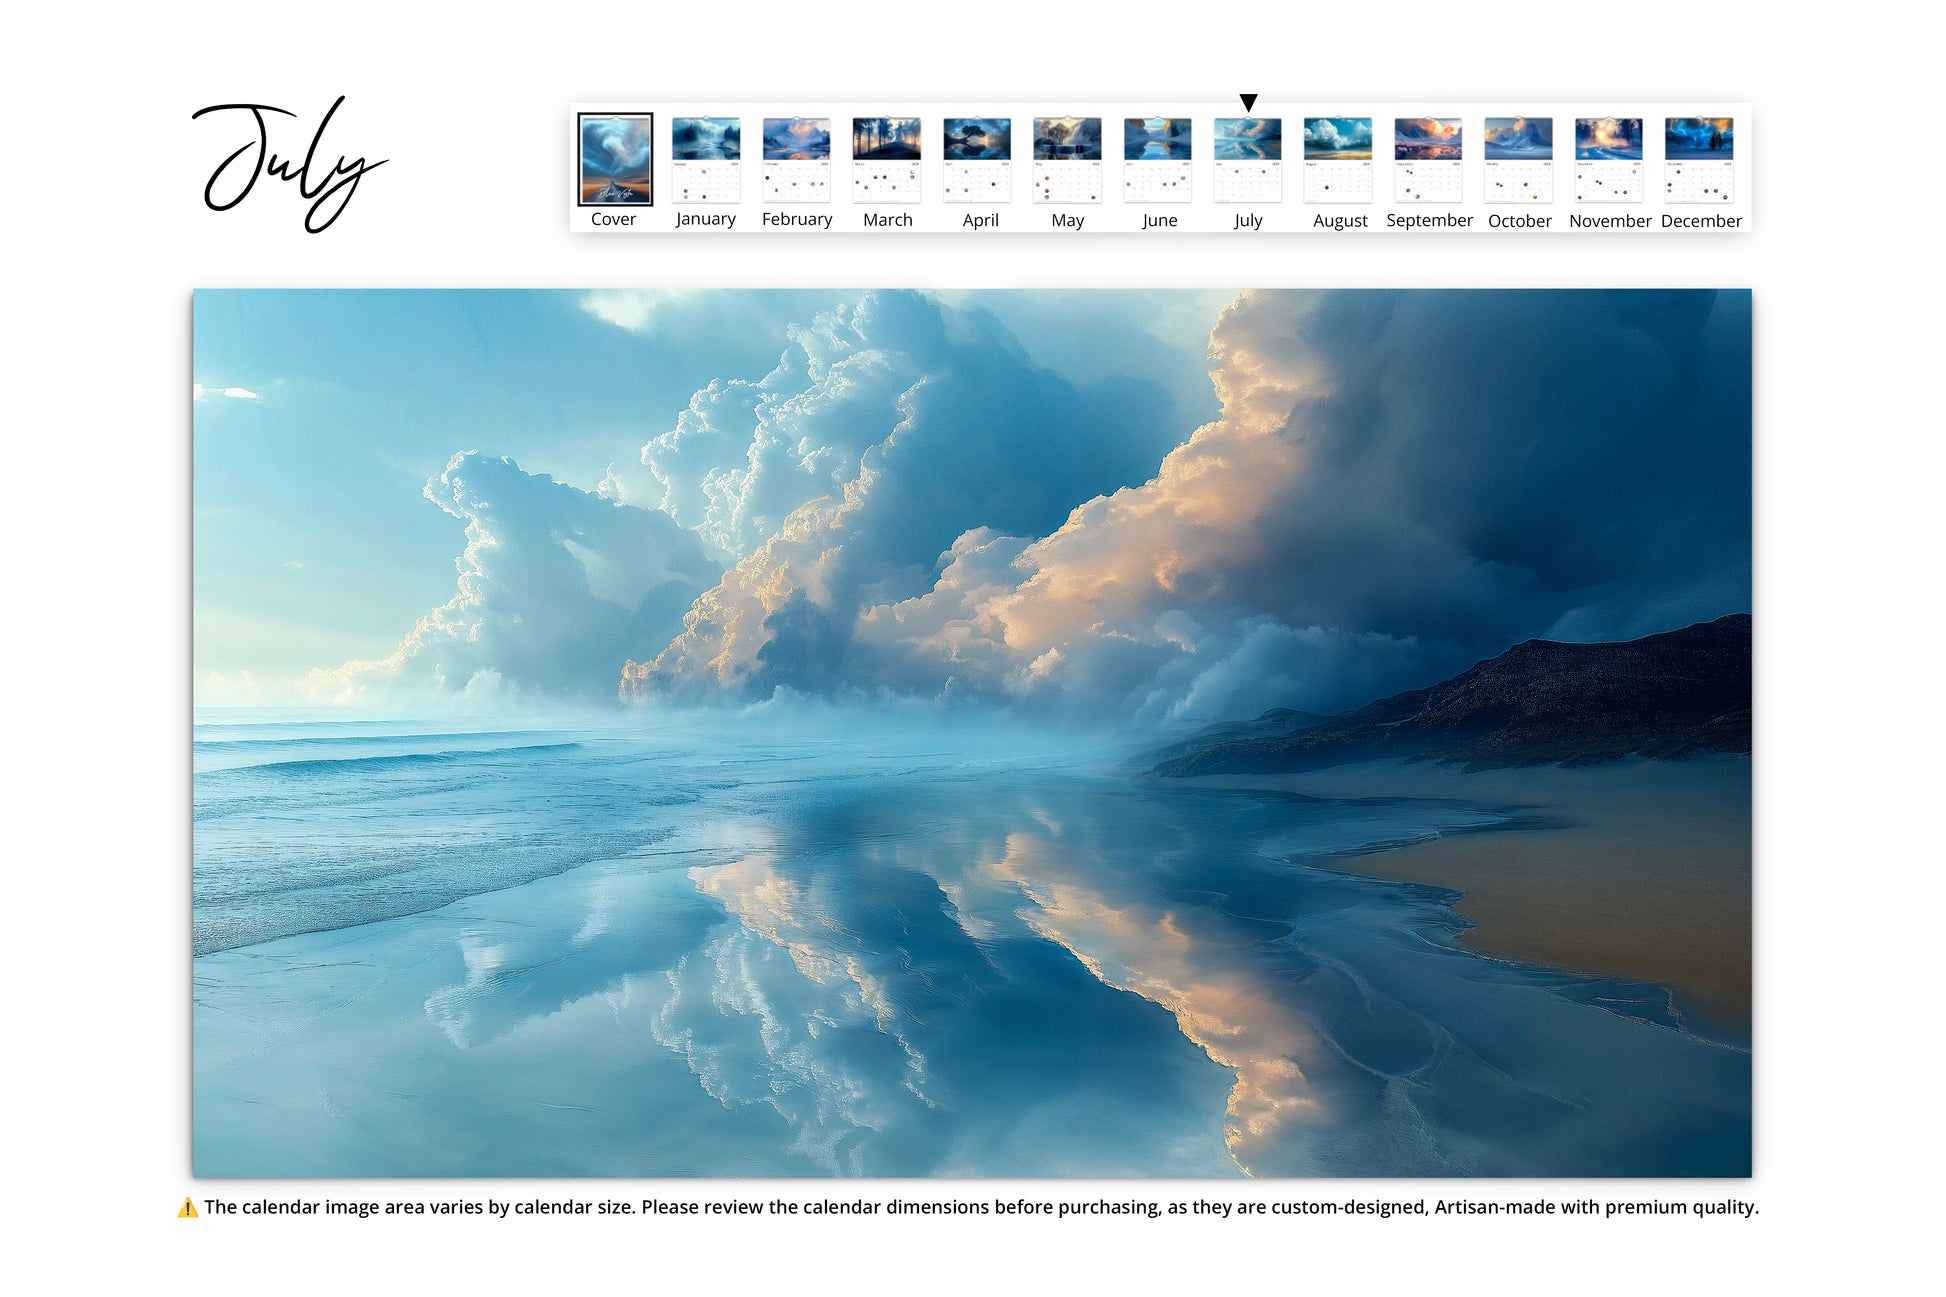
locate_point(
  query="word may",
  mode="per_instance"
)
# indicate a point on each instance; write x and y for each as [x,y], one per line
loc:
[255,156]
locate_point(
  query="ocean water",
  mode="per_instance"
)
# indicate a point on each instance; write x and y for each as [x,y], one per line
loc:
[708,949]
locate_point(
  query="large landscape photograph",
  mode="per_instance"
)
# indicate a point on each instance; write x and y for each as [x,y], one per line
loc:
[1082,733]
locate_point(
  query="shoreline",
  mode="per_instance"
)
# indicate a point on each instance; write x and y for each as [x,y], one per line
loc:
[1637,870]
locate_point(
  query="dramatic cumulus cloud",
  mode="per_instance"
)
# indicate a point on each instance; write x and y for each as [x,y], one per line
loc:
[888,431]
[557,587]
[1399,484]
[746,453]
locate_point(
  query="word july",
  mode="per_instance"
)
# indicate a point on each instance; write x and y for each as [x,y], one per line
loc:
[255,156]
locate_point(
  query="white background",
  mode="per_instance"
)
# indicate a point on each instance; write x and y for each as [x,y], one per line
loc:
[105,236]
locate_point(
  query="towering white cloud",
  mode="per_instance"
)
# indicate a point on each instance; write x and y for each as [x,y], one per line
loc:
[890,430]
[748,452]
[557,587]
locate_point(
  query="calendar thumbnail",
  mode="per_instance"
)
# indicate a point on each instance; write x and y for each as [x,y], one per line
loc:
[1699,165]
[617,158]
[1426,160]
[1249,153]
[705,160]
[1519,157]
[1067,160]
[1155,160]
[1337,159]
[1608,160]
[978,153]
[797,159]
[885,160]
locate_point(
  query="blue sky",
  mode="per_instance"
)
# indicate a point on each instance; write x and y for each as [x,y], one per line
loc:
[361,397]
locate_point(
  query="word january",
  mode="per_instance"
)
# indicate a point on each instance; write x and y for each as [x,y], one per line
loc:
[255,156]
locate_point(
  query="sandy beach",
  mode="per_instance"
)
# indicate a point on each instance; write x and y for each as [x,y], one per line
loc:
[1639,871]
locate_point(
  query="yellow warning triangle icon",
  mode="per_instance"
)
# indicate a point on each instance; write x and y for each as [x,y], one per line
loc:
[188,1211]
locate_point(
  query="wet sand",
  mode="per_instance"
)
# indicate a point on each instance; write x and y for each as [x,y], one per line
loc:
[1639,871]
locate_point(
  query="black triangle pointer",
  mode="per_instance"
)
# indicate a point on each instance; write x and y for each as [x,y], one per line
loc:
[1249,102]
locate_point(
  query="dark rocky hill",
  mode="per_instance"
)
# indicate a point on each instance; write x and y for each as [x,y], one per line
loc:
[1671,695]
